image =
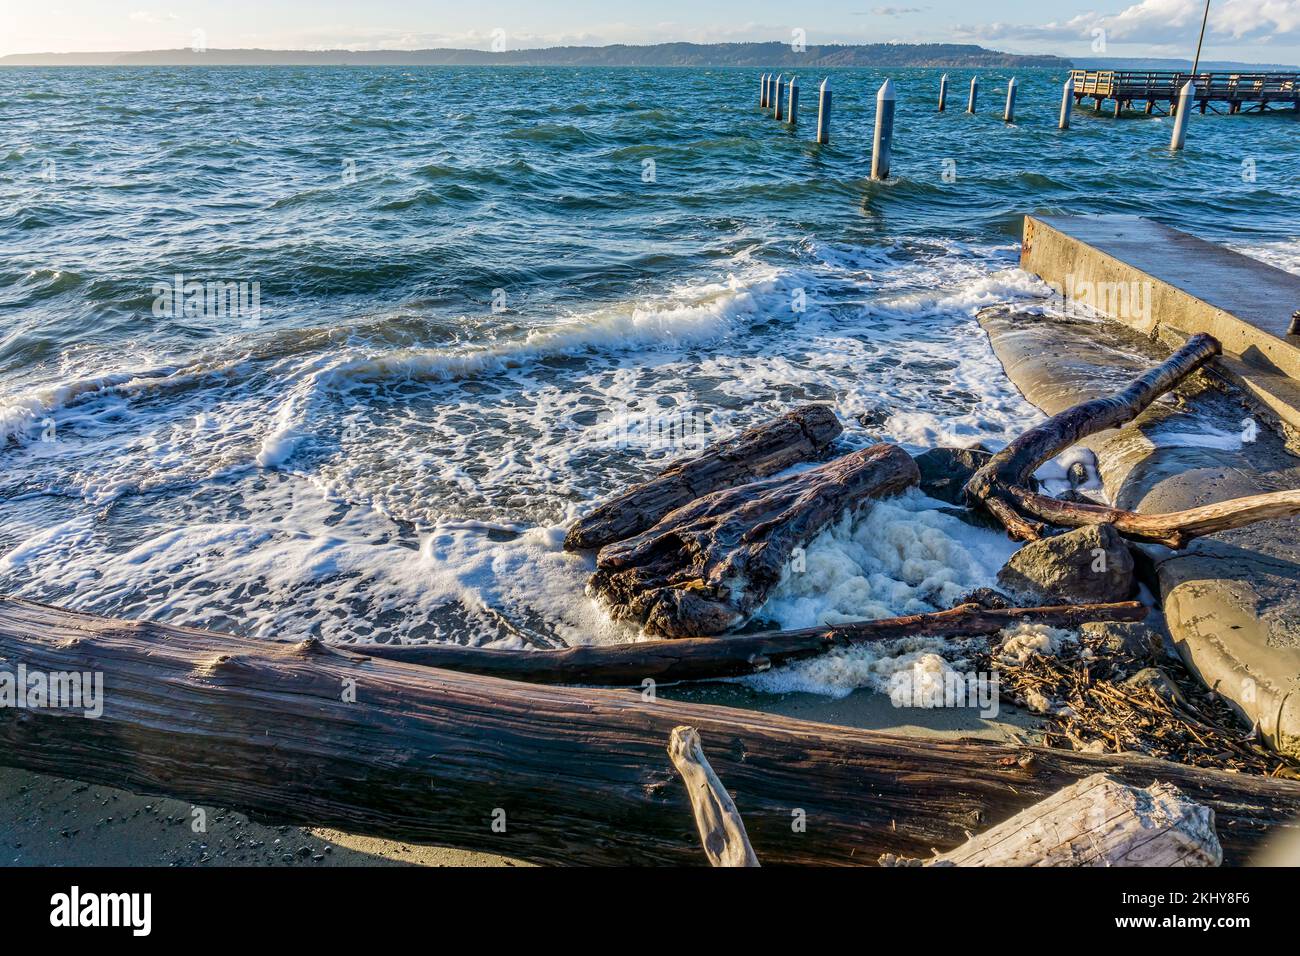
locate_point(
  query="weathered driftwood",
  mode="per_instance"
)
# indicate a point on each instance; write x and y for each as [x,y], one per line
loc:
[706,658]
[1004,485]
[1014,466]
[305,734]
[1172,529]
[1095,822]
[706,567]
[722,831]
[799,435]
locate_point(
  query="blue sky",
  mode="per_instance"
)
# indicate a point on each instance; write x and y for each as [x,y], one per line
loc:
[1253,30]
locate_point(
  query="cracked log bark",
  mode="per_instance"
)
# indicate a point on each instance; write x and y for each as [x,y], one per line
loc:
[427,755]
[799,435]
[706,567]
[1003,485]
[705,658]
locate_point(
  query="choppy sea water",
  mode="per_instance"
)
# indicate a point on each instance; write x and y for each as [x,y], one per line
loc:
[475,301]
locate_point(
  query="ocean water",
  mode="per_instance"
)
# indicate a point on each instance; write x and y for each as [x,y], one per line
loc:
[476,301]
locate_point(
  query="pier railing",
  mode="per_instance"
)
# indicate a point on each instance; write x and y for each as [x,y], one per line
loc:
[1128,85]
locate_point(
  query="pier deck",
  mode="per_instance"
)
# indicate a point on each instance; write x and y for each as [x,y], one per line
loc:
[1184,285]
[1238,92]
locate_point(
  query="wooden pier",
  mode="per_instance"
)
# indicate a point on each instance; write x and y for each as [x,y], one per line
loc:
[1238,92]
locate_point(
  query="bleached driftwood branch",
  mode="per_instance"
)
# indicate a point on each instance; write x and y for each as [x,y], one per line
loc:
[722,831]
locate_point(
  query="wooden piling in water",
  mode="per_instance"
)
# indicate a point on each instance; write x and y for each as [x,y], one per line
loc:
[1180,118]
[882,142]
[974,93]
[943,92]
[762,91]
[777,111]
[792,103]
[1009,114]
[824,112]
[1067,103]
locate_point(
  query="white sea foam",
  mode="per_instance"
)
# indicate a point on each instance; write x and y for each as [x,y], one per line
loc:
[345,483]
[1283,255]
[903,556]
[295,567]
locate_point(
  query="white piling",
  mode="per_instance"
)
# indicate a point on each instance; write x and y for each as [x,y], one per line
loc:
[824,112]
[974,92]
[1009,114]
[883,141]
[762,91]
[1067,103]
[780,94]
[1180,119]
[792,107]
[943,92]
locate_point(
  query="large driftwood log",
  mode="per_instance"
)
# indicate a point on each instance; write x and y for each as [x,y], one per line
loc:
[1096,822]
[722,831]
[1014,466]
[1004,485]
[305,734]
[708,658]
[799,435]
[706,567]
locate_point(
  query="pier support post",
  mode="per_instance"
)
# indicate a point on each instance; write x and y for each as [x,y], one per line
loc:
[792,104]
[1180,118]
[1009,114]
[943,92]
[1067,102]
[974,93]
[777,110]
[824,112]
[882,142]
[762,91]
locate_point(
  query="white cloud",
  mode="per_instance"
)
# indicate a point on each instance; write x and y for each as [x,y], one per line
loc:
[1160,21]
[148,16]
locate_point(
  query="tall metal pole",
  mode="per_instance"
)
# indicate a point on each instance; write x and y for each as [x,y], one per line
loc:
[881,144]
[1197,62]
[824,112]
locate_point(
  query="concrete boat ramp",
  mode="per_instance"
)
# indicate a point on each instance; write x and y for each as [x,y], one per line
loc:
[1231,600]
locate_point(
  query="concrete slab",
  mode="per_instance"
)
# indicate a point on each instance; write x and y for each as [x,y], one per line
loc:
[1169,284]
[1231,600]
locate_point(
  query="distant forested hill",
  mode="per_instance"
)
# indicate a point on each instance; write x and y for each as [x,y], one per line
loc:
[759,55]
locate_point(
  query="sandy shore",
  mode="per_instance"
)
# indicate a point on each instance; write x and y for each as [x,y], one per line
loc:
[47,821]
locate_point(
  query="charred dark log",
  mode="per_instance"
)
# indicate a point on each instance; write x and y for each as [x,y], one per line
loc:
[706,567]
[308,735]
[710,658]
[800,435]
